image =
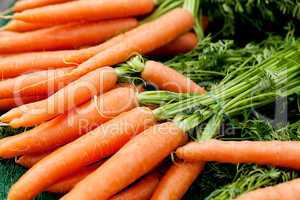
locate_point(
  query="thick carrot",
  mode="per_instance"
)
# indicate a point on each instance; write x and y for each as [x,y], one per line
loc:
[169,79]
[86,10]
[20,26]
[9,86]
[180,45]
[77,93]
[177,180]
[277,153]
[29,4]
[135,159]
[30,159]
[142,190]
[68,127]
[67,36]
[9,103]
[289,191]
[96,145]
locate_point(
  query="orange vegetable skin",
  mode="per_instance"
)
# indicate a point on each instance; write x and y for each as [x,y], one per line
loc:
[169,79]
[31,159]
[98,144]
[86,10]
[9,103]
[20,26]
[277,153]
[142,190]
[29,4]
[67,36]
[177,181]
[289,191]
[66,128]
[135,159]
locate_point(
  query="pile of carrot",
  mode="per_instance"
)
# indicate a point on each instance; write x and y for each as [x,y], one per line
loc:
[89,135]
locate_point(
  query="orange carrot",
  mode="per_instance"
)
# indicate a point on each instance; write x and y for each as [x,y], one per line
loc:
[7,33]
[277,153]
[169,79]
[96,145]
[86,10]
[9,103]
[68,127]
[289,190]
[177,180]
[20,26]
[29,4]
[9,86]
[30,159]
[77,93]
[142,190]
[135,159]
[67,36]
[182,44]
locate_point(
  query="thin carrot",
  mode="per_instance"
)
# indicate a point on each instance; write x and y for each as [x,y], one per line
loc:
[177,180]
[30,159]
[29,4]
[96,145]
[20,26]
[289,190]
[9,86]
[169,79]
[141,190]
[68,127]
[182,44]
[135,159]
[277,153]
[86,10]
[77,93]
[9,103]
[67,36]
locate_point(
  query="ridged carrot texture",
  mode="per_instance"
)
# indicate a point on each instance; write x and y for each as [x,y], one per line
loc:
[289,191]
[86,10]
[9,103]
[20,26]
[77,93]
[180,45]
[9,86]
[141,190]
[30,159]
[177,180]
[276,153]
[67,36]
[96,145]
[135,159]
[29,4]
[66,128]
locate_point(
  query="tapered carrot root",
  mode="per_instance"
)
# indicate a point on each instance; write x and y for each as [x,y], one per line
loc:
[177,180]
[142,190]
[98,144]
[67,36]
[135,159]
[182,44]
[20,26]
[289,190]
[86,10]
[277,153]
[31,159]
[29,4]
[169,79]
[9,86]
[9,103]
[78,92]
[68,127]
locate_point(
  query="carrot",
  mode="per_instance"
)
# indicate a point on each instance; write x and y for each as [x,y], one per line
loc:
[7,33]
[20,26]
[86,10]
[177,180]
[77,93]
[96,145]
[9,86]
[66,128]
[169,79]
[289,190]
[180,45]
[30,159]
[277,153]
[67,36]
[29,4]
[9,103]
[141,190]
[135,159]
